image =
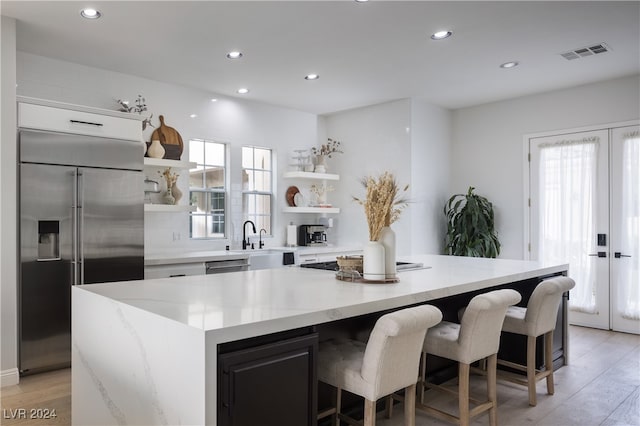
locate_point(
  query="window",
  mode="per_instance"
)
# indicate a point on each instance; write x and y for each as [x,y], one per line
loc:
[257,186]
[208,189]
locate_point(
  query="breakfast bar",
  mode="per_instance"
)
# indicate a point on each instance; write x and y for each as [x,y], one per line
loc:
[148,352]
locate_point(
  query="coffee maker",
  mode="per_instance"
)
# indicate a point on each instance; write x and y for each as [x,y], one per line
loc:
[312,235]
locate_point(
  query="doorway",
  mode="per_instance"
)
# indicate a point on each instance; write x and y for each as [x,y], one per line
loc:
[584,210]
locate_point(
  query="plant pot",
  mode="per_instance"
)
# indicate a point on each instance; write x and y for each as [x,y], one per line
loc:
[321,164]
[373,261]
[177,194]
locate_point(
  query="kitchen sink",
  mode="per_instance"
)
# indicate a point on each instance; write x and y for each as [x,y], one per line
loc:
[263,258]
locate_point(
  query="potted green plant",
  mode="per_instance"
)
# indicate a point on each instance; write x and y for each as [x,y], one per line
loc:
[470,226]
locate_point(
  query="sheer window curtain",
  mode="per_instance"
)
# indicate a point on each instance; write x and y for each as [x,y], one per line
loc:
[568,213]
[629,277]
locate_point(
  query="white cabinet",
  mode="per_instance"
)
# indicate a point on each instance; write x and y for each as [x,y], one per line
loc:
[68,118]
[151,167]
[311,176]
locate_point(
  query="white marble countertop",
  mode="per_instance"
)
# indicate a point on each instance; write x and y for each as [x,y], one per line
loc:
[245,304]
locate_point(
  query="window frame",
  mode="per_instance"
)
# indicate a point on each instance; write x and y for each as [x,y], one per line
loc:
[209,192]
[254,192]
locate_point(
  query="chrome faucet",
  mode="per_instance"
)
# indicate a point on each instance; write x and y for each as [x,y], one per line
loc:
[245,239]
[260,242]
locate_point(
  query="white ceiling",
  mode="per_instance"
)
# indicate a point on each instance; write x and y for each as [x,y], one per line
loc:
[365,53]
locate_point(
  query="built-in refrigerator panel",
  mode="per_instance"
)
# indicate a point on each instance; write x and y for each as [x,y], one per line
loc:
[111,231]
[46,268]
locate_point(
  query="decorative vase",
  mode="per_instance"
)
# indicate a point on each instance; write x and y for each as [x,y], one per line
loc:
[177,194]
[321,164]
[168,198]
[388,240]
[373,261]
[156,150]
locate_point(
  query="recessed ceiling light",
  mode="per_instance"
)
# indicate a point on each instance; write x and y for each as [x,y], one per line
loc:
[243,91]
[361,1]
[90,13]
[511,64]
[311,77]
[234,55]
[441,35]
[214,100]
[193,115]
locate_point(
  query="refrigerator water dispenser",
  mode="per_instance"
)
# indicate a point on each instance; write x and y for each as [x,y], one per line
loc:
[48,240]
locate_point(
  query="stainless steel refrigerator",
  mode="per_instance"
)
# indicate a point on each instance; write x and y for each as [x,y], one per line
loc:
[81,222]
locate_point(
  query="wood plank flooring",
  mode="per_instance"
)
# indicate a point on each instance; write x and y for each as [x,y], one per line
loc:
[601,386]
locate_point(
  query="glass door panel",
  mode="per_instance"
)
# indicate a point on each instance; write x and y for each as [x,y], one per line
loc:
[625,229]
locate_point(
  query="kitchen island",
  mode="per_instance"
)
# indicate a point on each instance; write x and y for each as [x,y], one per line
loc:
[146,352]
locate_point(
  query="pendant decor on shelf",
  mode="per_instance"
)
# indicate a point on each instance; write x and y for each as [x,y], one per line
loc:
[321,154]
[155,150]
[170,178]
[170,140]
[175,191]
[382,206]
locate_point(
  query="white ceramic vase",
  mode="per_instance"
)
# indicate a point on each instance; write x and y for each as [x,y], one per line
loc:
[321,164]
[373,261]
[388,240]
[156,150]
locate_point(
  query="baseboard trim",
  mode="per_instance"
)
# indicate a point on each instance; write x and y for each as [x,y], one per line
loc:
[9,377]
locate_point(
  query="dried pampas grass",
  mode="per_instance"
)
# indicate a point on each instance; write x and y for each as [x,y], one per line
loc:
[382,205]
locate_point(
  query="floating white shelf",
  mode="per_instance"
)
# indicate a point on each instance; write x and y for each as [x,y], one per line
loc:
[311,175]
[167,208]
[329,210]
[160,162]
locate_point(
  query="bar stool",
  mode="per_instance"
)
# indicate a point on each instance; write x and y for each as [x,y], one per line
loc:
[387,363]
[538,318]
[475,338]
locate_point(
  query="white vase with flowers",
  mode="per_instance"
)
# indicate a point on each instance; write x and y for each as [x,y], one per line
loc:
[382,206]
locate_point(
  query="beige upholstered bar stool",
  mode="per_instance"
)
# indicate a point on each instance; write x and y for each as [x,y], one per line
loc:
[475,338]
[538,318]
[387,363]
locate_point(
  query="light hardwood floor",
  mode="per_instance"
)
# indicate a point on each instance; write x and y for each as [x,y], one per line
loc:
[601,386]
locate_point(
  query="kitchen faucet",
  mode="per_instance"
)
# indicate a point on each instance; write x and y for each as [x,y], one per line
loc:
[260,242]
[245,239]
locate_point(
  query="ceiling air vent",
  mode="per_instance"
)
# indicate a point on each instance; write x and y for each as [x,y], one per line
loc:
[583,52]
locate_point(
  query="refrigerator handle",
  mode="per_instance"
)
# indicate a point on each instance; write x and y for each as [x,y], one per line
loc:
[74,230]
[80,227]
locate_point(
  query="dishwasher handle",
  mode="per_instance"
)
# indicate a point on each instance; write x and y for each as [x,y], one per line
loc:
[220,266]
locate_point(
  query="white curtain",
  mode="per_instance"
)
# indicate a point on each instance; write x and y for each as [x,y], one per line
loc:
[629,277]
[568,170]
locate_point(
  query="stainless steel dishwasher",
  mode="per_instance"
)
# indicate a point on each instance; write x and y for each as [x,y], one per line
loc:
[227,265]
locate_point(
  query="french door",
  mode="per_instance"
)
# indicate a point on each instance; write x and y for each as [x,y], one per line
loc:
[584,210]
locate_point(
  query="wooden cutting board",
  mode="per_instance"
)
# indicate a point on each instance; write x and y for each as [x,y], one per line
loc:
[168,136]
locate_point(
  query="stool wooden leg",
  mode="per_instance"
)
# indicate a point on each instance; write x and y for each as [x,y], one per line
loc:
[410,405]
[531,369]
[492,393]
[548,361]
[463,393]
[369,413]
[389,406]
[335,420]
[423,376]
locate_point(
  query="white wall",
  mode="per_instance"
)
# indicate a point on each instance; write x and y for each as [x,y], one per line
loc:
[409,138]
[430,173]
[8,237]
[487,146]
[231,120]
